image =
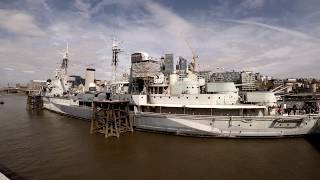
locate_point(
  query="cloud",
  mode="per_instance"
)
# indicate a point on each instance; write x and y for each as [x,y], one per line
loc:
[28,71]
[279,29]
[233,40]
[252,4]
[83,8]
[19,23]
[167,20]
[8,69]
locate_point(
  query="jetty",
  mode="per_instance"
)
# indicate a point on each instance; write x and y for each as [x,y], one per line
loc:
[111,118]
[34,102]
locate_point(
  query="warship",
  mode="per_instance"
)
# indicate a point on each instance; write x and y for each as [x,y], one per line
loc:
[178,101]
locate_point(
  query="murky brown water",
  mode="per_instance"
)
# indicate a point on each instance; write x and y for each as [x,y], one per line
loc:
[46,146]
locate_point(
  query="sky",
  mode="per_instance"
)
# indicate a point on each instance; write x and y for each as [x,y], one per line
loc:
[280,38]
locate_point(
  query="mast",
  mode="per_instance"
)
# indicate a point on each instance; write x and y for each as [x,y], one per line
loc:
[115,59]
[65,60]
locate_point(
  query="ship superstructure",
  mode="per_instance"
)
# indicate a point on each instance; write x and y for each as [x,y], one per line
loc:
[59,85]
[182,102]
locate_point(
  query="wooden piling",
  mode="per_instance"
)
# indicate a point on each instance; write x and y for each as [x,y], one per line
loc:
[111,118]
[34,102]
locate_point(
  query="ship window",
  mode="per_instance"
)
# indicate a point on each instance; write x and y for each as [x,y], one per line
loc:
[196,97]
[169,97]
[160,97]
[208,97]
[178,97]
[219,97]
[187,97]
[192,87]
[89,104]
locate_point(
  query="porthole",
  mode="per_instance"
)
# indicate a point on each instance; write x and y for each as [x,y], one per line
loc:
[219,97]
[196,97]
[208,97]
[187,97]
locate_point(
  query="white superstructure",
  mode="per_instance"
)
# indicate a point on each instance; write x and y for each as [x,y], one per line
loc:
[59,85]
[184,104]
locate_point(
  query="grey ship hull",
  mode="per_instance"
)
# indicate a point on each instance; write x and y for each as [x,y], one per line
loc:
[195,125]
[62,106]
[227,126]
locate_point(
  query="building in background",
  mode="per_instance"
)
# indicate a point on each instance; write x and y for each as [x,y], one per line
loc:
[168,64]
[36,85]
[182,65]
[228,76]
[264,83]
[206,75]
[277,82]
[248,81]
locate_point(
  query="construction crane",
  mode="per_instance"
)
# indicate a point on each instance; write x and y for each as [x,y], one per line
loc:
[195,57]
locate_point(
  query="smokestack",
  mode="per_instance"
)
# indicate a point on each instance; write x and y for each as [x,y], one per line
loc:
[90,76]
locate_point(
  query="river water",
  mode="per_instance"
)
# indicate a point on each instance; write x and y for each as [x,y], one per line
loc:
[45,145]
